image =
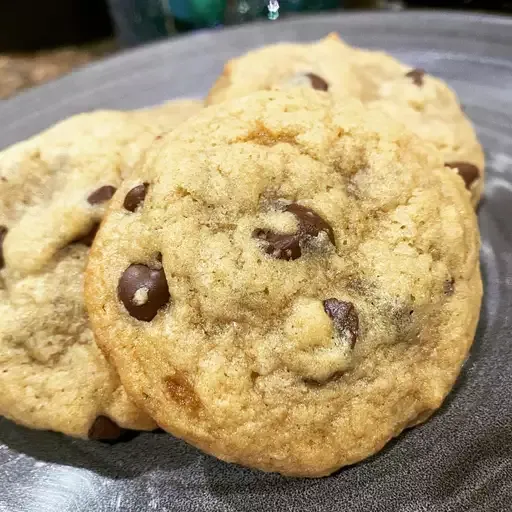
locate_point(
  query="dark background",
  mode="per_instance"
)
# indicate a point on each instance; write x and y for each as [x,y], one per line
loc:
[35,25]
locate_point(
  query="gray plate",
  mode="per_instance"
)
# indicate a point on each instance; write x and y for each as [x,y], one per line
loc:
[461,459]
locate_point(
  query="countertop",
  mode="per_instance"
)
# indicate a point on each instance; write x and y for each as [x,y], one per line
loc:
[20,71]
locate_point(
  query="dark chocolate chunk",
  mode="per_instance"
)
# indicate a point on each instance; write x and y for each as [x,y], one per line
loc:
[468,172]
[102,194]
[143,291]
[104,429]
[344,317]
[417,75]
[3,232]
[317,82]
[289,246]
[280,246]
[310,222]
[135,197]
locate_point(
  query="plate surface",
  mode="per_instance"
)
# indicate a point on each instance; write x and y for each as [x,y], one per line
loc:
[461,460]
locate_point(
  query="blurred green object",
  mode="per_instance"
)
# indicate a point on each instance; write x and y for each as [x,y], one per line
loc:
[198,13]
[138,21]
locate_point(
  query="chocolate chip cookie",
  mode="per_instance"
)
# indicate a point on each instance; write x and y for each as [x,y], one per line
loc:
[288,281]
[412,96]
[54,190]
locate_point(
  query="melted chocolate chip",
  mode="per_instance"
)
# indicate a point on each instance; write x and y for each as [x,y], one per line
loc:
[88,239]
[288,246]
[280,246]
[310,222]
[417,75]
[449,286]
[3,232]
[135,197]
[344,317]
[143,291]
[468,172]
[317,82]
[104,429]
[102,194]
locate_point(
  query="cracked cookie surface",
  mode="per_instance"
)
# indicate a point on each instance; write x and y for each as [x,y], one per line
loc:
[287,281]
[425,104]
[54,189]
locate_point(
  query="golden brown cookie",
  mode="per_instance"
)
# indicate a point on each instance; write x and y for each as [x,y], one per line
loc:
[288,281]
[422,102]
[54,190]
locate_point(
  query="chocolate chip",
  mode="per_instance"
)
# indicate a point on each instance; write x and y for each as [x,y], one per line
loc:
[417,75]
[468,172]
[88,239]
[102,194]
[280,246]
[344,317]
[135,197]
[289,246]
[143,291]
[310,222]
[104,429]
[448,286]
[317,82]
[3,232]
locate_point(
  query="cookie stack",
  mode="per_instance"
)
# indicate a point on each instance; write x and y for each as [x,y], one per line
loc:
[287,280]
